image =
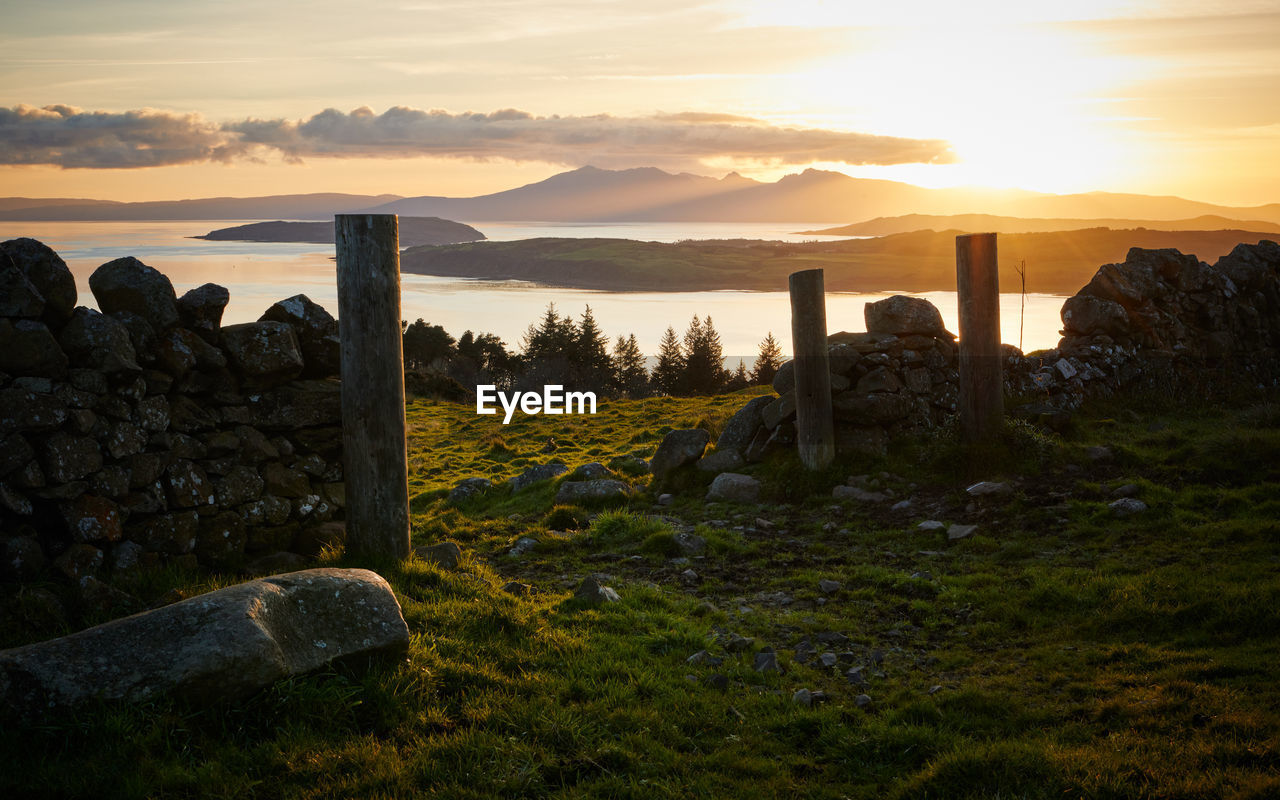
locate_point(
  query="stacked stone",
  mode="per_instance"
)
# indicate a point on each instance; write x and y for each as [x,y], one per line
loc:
[147,433]
[1161,321]
[898,376]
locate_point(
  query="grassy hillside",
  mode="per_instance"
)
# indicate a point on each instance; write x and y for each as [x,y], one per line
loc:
[1061,651]
[1058,262]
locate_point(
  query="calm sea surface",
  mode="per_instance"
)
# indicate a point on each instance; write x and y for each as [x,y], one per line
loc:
[259,274]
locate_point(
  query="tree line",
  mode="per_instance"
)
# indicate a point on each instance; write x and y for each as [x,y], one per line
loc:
[575,353]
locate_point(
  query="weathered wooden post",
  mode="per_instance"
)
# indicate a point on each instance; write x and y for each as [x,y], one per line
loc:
[815,437]
[375,461]
[981,376]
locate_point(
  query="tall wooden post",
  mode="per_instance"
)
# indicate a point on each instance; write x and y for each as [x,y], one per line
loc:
[375,461]
[815,436]
[981,376]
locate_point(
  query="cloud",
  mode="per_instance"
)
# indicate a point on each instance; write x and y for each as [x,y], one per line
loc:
[68,137]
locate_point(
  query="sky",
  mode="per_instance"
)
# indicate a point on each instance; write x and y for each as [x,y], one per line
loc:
[157,99]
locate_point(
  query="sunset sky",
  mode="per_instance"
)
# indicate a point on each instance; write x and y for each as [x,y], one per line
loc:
[156,99]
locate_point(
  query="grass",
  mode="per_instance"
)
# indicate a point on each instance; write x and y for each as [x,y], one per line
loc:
[1061,651]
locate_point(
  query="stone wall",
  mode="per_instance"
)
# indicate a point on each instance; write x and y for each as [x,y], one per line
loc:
[1160,321]
[150,434]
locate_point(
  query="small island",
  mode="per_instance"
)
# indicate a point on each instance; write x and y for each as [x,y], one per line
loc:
[414,232]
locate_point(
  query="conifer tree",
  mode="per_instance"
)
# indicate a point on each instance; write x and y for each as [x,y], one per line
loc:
[591,368]
[739,379]
[629,375]
[704,371]
[668,373]
[767,362]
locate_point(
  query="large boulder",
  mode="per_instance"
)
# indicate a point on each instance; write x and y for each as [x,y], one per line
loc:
[536,474]
[1086,315]
[126,284]
[317,333]
[680,447]
[593,491]
[734,488]
[265,353]
[224,644]
[904,316]
[18,296]
[742,427]
[47,273]
[93,339]
[201,309]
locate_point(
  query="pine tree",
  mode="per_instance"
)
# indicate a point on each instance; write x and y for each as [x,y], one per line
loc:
[547,351]
[669,371]
[704,371]
[591,368]
[767,362]
[629,375]
[424,345]
[739,379]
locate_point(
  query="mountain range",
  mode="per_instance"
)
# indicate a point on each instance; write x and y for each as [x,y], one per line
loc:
[647,194]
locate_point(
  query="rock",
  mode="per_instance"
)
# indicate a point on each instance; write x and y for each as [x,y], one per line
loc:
[690,544]
[784,380]
[241,485]
[1127,490]
[779,410]
[1099,453]
[957,531]
[317,333]
[446,555]
[265,353]
[862,701]
[91,519]
[44,271]
[742,426]
[27,347]
[931,526]
[224,644]
[284,481]
[879,379]
[173,534]
[67,458]
[1127,506]
[201,310]
[829,586]
[678,448]
[802,697]
[95,340]
[1085,315]
[571,492]
[903,316]
[666,499]
[858,494]
[988,488]
[871,409]
[689,576]
[697,658]
[734,487]
[593,471]
[468,488]
[523,545]
[126,557]
[101,598]
[315,539]
[517,589]
[220,539]
[721,461]
[592,593]
[295,405]
[188,486]
[869,441]
[23,559]
[537,474]
[766,661]
[126,284]
[736,643]
[76,561]
[855,676]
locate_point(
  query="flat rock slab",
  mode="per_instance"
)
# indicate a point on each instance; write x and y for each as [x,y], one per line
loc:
[223,644]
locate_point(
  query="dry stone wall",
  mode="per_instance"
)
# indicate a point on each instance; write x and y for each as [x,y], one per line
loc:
[148,433]
[1159,321]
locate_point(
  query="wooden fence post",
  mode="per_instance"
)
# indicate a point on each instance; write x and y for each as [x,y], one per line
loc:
[375,460]
[815,437]
[981,375]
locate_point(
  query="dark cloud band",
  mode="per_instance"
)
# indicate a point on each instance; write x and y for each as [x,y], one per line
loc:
[72,138]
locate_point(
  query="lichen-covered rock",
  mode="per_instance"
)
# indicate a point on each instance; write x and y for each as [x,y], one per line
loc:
[126,284]
[223,644]
[742,426]
[93,519]
[173,534]
[903,316]
[265,353]
[446,555]
[537,474]
[1084,314]
[220,539]
[299,404]
[22,409]
[317,333]
[67,458]
[188,486]
[45,271]
[678,448]
[570,492]
[19,298]
[722,460]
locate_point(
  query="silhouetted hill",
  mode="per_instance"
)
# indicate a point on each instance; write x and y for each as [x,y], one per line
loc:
[285,206]
[414,231]
[1057,262]
[990,223]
